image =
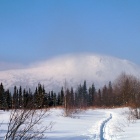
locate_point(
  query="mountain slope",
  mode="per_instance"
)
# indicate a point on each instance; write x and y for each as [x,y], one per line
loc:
[74,68]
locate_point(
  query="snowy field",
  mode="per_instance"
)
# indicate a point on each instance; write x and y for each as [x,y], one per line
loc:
[97,124]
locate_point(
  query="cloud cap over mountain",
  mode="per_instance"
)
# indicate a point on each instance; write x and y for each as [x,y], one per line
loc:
[97,69]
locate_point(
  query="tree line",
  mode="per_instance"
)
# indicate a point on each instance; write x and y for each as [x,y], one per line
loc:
[23,98]
[125,91]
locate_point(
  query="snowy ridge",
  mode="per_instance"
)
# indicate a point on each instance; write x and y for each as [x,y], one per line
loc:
[74,68]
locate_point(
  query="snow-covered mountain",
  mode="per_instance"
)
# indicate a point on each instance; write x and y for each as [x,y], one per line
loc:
[97,69]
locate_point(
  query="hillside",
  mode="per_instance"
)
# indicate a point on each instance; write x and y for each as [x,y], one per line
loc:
[97,69]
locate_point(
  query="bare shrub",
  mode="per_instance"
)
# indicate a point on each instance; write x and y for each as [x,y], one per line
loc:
[127,87]
[119,127]
[26,124]
[131,117]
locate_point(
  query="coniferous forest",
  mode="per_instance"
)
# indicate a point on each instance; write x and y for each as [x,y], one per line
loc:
[125,92]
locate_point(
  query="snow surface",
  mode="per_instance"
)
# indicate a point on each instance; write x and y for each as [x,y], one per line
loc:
[97,124]
[93,68]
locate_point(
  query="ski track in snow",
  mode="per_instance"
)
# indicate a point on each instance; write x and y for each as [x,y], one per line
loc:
[102,127]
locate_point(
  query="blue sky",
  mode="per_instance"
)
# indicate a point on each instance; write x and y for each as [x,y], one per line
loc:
[36,30]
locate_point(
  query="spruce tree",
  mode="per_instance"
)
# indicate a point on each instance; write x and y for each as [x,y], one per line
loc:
[8,99]
[72,98]
[49,99]
[45,100]
[4,104]
[111,97]
[25,100]
[62,97]
[20,98]
[54,100]
[36,98]
[1,95]
[58,99]
[104,96]
[40,96]
[99,102]
[85,97]
[15,98]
